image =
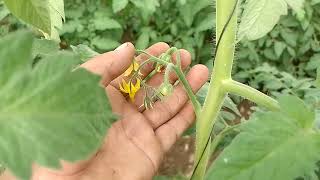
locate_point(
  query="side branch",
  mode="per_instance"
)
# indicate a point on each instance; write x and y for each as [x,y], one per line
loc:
[252,94]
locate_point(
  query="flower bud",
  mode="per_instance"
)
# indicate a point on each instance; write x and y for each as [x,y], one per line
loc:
[166,89]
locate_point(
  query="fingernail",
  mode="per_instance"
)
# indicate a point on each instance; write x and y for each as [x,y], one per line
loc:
[123,46]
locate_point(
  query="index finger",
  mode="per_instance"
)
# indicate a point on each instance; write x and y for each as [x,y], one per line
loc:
[111,64]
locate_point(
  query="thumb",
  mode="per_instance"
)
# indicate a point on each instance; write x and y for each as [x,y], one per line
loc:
[112,64]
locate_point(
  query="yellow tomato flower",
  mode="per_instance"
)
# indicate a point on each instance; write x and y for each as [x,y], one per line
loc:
[133,68]
[130,88]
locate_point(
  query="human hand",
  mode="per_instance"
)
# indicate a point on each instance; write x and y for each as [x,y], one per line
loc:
[135,144]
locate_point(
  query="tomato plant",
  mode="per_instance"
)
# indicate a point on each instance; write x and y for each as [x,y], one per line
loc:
[280,141]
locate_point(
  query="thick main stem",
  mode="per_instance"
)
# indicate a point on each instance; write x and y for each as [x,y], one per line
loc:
[217,93]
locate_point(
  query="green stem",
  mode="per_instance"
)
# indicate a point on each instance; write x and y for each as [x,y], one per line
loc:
[217,93]
[153,58]
[187,87]
[178,57]
[251,94]
[177,68]
[169,69]
[149,76]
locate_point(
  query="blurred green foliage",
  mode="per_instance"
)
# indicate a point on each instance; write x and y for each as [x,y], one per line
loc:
[284,61]
[103,25]
[287,58]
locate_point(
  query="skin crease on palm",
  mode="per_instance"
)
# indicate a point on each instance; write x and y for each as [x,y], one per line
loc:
[135,145]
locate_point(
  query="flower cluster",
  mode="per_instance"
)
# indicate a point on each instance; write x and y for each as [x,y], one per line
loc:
[134,84]
[132,81]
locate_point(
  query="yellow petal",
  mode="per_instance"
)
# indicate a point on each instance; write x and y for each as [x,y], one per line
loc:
[132,97]
[125,87]
[132,93]
[121,88]
[134,89]
[138,84]
[135,66]
[128,71]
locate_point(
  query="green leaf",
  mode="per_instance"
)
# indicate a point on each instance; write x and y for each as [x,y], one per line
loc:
[43,47]
[46,15]
[259,17]
[84,52]
[49,111]
[272,145]
[56,16]
[118,5]
[104,43]
[313,63]
[202,93]
[146,5]
[230,104]
[270,54]
[314,2]
[279,47]
[207,23]
[34,12]
[296,109]
[144,39]
[291,51]
[189,10]
[104,23]
[296,5]
[290,38]
[3,12]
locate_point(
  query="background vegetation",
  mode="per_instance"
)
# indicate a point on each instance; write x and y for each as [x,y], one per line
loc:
[293,46]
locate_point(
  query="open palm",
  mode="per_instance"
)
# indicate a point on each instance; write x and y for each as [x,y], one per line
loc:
[137,142]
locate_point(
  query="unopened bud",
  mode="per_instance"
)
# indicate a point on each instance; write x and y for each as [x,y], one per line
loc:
[166,89]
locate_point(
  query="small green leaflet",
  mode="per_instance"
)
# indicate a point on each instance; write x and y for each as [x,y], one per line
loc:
[35,12]
[260,16]
[3,11]
[144,38]
[104,43]
[84,52]
[297,6]
[49,111]
[279,47]
[147,5]
[118,5]
[189,10]
[287,140]
[43,47]
[207,23]
[46,15]
[314,62]
[104,23]
[56,16]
